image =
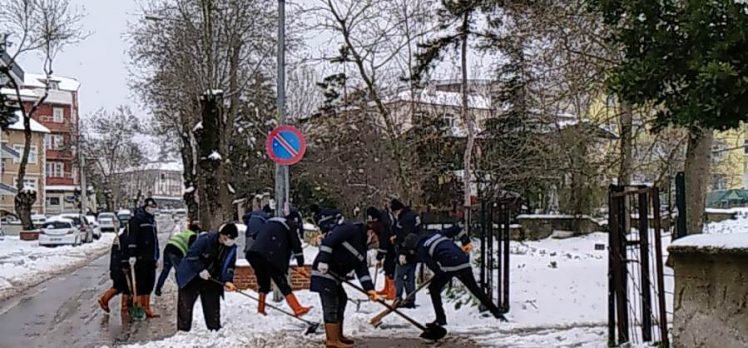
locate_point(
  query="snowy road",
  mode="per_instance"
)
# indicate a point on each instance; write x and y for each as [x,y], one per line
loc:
[62,312]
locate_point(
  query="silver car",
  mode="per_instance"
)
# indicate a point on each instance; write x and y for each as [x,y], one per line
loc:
[108,222]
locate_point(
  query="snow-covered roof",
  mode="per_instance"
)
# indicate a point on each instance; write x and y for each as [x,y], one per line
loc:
[38,81]
[35,126]
[443,98]
[25,93]
[717,242]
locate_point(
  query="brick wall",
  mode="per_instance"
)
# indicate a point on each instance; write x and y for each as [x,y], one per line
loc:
[29,235]
[244,278]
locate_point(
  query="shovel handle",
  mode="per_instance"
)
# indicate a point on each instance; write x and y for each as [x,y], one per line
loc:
[267,304]
[383,303]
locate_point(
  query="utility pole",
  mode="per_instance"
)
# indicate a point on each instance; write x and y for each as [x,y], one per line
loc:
[281,172]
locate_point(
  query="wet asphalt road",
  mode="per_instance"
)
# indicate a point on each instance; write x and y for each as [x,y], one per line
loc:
[62,312]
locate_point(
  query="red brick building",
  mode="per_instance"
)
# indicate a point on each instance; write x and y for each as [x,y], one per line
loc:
[59,113]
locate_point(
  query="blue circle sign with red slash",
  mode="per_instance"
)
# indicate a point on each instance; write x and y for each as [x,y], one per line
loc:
[285,145]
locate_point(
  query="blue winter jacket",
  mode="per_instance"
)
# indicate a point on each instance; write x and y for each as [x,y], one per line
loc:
[344,250]
[440,253]
[254,221]
[142,239]
[406,225]
[205,253]
[276,242]
[327,218]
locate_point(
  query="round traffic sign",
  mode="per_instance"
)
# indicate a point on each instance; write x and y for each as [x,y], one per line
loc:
[285,145]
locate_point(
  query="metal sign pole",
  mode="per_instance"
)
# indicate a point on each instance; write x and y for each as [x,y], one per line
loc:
[281,171]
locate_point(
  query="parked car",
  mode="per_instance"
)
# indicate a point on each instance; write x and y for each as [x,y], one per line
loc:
[94,226]
[124,216]
[80,222]
[60,231]
[38,219]
[108,222]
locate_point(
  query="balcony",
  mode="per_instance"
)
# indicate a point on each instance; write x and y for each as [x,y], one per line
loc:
[59,154]
[65,179]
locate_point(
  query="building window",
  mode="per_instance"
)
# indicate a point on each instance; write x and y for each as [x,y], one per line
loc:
[27,182]
[55,169]
[32,153]
[58,115]
[745,146]
[54,142]
[53,201]
[449,120]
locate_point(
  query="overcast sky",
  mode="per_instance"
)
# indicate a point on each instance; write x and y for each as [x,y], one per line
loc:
[100,61]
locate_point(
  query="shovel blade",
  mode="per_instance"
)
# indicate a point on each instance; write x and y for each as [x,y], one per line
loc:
[137,313]
[433,333]
[311,329]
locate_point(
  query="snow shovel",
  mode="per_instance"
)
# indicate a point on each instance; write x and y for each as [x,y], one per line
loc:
[136,312]
[431,333]
[311,329]
[377,320]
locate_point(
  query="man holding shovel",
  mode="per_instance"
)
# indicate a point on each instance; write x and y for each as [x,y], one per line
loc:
[274,244]
[343,249]
[208,265]
[447,261]
[142,254]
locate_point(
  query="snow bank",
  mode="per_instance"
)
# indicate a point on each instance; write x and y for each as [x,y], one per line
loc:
[558,306]
[714,241]
[24,263]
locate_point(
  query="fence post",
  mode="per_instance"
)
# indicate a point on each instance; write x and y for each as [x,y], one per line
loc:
[680,203]
[659,268]
[483,246]
[612,220]
[507,237]
[646,290]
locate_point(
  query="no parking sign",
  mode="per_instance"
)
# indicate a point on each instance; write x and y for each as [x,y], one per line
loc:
[285,145]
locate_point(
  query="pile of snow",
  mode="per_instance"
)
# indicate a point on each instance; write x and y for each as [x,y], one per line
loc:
[558,298]
[214,156]
[24,263]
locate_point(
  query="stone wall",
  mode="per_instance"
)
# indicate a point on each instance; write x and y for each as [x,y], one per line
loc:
[711,292]
[537,227]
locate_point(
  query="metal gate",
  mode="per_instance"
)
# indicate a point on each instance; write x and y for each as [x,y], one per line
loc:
[493,229]
[636,291]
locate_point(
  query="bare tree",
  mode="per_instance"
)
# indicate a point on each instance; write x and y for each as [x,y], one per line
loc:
[185,49]
[379,52]
[109,146]
[44,27]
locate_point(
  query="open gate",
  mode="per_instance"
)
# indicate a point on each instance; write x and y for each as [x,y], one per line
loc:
[636,290]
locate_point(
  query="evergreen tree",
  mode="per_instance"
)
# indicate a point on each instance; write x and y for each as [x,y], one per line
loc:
[688,60]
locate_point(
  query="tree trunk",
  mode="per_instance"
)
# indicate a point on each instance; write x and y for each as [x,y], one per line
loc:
[625,170]
[188,174]
[25,200]
[697,166]
[213,186]
[467,120]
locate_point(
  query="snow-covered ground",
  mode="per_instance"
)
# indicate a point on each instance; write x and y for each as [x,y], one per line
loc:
[558,299]
[24,263]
